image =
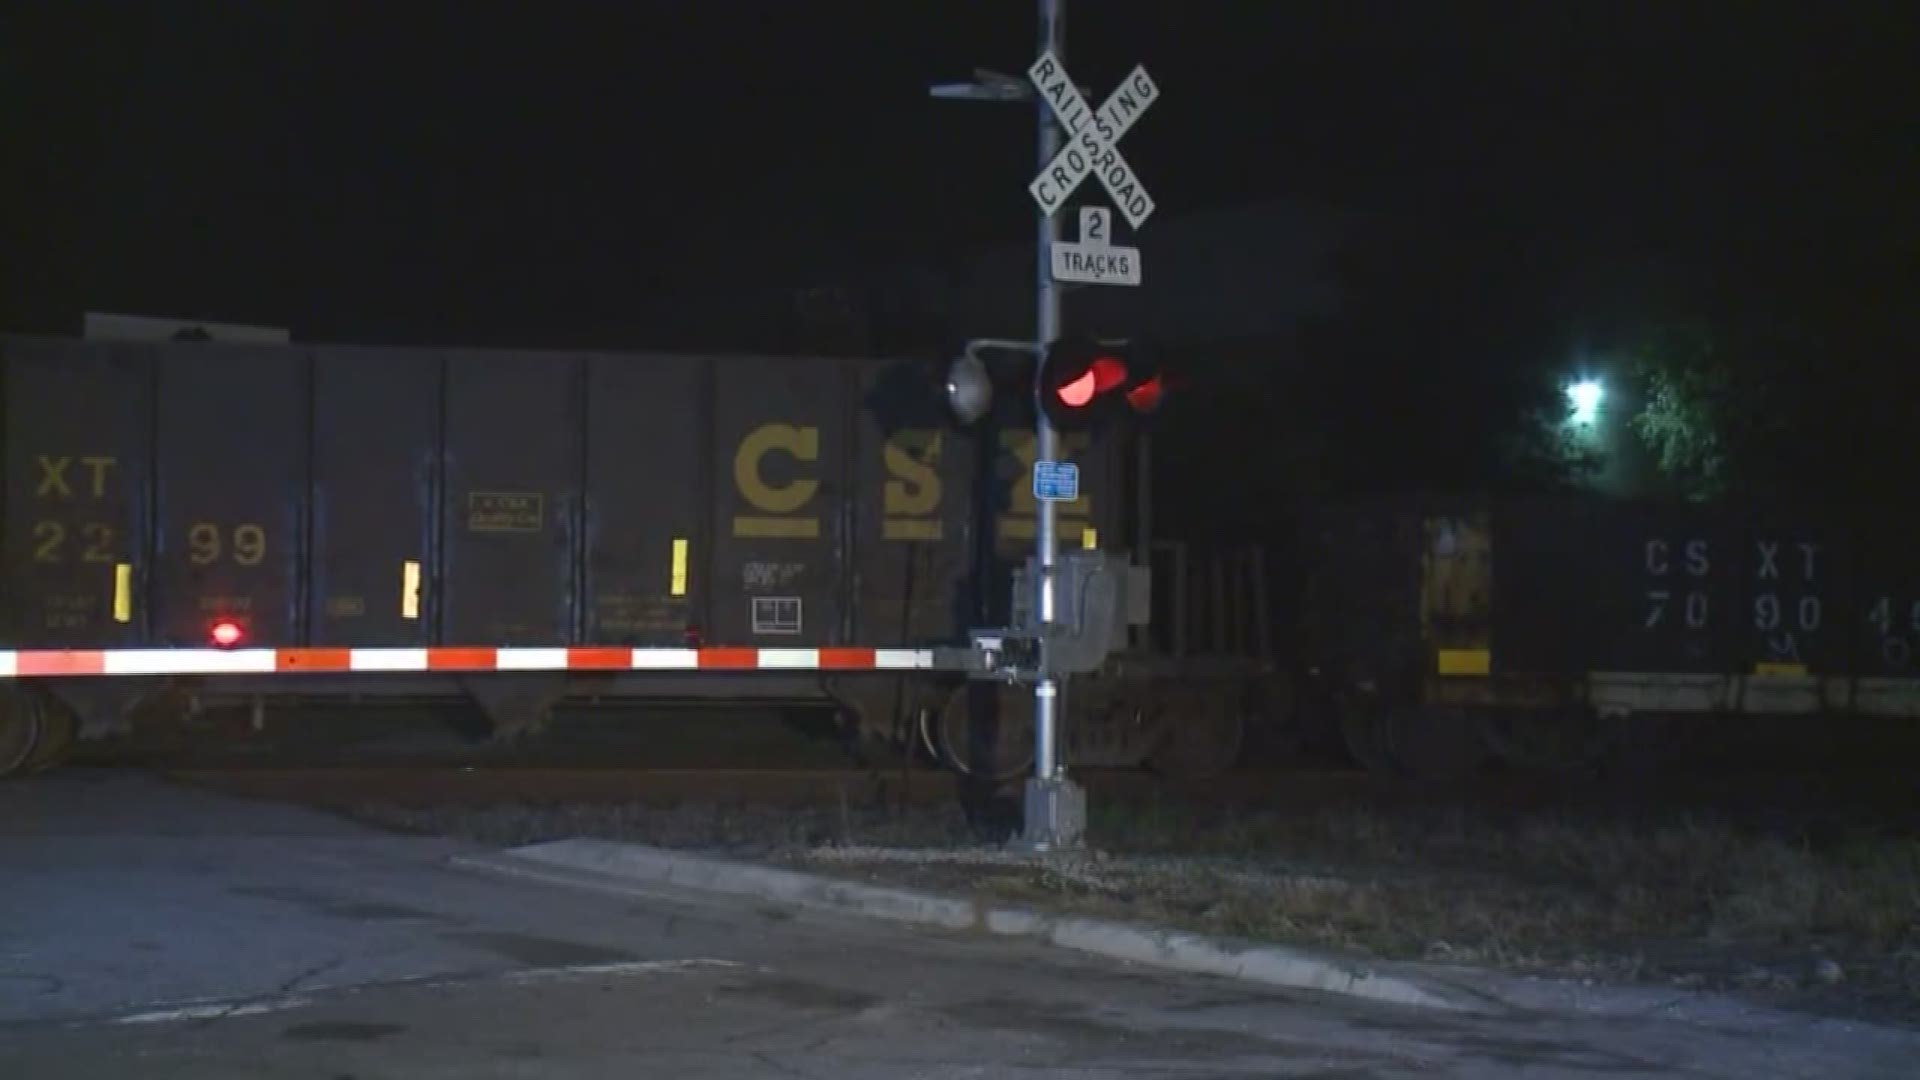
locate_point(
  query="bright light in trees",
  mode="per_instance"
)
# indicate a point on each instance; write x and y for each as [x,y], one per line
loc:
[1585,397]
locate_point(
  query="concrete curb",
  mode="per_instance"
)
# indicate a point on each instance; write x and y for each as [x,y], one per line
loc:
[605,863]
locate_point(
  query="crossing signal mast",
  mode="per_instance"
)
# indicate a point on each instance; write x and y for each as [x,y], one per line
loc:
[1078,383]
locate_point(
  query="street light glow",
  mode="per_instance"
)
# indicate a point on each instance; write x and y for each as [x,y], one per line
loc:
[1585,397]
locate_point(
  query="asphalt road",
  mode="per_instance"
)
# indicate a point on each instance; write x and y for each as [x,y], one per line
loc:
[153,931]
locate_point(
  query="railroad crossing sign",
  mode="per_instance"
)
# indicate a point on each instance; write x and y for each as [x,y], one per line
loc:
[1094,261]
[1056,481]
[1093,139]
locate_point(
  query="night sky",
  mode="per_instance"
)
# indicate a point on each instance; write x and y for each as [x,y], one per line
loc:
[481,172]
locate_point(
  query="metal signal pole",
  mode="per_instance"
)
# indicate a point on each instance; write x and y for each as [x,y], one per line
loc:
[1054,816]
[1043,826]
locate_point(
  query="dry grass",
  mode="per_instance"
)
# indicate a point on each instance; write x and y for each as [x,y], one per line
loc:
[1690,902]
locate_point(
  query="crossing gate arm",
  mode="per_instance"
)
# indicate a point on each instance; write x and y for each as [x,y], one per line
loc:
[97,663]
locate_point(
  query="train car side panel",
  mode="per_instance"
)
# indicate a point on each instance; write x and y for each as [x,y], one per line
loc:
[648,470]
[1362,593]
[231,458]
[781,455]
[1649,588]
[375,464]
[913,515]
[77,438]
[513,447]
[1885,615]
[1796,591]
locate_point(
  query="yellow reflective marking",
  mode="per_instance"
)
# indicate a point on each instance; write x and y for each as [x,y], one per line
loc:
[123,592]
[1089,539]
[1465,661]
[677,583]
[775,528]
[1780,669]
[410,589]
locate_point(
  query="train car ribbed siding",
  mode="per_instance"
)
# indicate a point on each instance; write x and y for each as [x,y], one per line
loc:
[913,508]
[1652,588]
[231,445]
[376,420]
[1796,595]
[1885,621]
[513,449]
[331,497]
[781,534]
[78,434]
[648,466]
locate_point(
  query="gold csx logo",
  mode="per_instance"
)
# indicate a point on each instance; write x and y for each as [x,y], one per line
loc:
[910,499]
[785,508]
[776,469]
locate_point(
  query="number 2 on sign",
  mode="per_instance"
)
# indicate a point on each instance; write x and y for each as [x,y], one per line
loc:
[204,544]
[1093,225]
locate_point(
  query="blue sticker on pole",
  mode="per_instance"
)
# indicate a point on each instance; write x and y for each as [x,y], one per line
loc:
[1056,481]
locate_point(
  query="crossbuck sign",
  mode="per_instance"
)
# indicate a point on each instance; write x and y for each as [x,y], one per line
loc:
[1092,144]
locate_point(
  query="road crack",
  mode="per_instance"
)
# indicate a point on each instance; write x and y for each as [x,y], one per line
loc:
[284,990]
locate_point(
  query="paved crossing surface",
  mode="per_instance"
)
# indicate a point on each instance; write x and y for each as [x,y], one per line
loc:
[153,931]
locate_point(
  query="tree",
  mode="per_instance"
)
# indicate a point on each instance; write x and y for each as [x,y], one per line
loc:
[1691,405]
[1776,408]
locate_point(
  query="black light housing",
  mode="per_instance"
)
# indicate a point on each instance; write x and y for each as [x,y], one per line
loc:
[1086,383]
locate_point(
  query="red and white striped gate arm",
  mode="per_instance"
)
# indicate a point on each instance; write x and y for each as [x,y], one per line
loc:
[46,663]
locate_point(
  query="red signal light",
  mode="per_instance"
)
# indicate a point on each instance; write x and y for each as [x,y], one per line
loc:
[226,633]
[1146,397]
[1087,385]
[1103,374]
[1078,392]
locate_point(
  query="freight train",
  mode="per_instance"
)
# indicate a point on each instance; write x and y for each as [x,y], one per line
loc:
[200,523]
[1545,633]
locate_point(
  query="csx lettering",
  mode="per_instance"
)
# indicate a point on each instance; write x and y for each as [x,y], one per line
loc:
[53,478]
[54,483]
[910,499]
[1658,558]
[779,503]
[1770,558]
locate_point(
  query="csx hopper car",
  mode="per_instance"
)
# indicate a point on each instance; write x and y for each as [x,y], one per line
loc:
[1456,632]
[195,523]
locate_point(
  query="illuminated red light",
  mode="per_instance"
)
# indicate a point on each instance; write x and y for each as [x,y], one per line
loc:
[1079,391]
[226,633]
[1103,374]
[1147,395]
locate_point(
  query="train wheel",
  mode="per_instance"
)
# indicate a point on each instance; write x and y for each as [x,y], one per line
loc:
[1556,742]
[1363,732]
[987,730]
[20,728]
[59,729]
[1434,743]
[1204,732]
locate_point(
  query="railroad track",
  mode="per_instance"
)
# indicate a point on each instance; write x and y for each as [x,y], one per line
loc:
[483,785]
[1797,803]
